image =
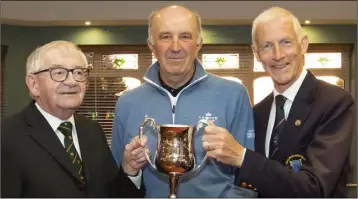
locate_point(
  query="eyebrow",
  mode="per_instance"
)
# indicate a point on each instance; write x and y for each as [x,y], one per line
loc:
[283,39]
[187,32]
[287,39]
[264,43]
[164,33]
[167,32]
[61,66]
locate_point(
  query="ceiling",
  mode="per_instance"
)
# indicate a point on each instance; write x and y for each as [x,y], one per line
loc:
[104,13]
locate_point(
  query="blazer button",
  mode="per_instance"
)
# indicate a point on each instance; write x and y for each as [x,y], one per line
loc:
[243,184]
[249,186]
[81,187]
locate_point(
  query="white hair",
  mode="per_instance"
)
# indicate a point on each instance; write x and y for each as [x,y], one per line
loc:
[155,13]
[275,13]
[35,61]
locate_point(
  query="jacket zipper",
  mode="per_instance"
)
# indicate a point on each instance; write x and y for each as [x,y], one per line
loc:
[173,100]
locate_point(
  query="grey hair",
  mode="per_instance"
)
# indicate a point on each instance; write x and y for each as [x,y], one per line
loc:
[35,61]
[274,13]
[155,13]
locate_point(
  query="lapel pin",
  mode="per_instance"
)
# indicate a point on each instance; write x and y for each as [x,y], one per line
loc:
[297,122]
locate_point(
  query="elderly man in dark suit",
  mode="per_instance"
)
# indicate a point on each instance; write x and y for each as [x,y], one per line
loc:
[303,129]
[49,151]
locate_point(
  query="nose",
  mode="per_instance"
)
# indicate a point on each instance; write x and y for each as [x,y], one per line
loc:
[278,54]
[70,80]
[175,45]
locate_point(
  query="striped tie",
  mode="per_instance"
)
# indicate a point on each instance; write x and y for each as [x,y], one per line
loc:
[279,124]
[66,129]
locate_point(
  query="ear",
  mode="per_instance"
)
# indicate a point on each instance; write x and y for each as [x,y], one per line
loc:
[151,47]
[32,84]
[199,45]
[304,44]
[254,51]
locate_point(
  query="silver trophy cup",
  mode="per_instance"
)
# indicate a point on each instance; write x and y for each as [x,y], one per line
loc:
[174,155]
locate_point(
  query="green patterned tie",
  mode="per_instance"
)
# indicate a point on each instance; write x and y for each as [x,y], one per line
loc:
[66,129]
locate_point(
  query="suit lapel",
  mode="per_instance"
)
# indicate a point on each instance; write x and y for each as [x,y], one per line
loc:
[299,112]
[262,114]
[42,133]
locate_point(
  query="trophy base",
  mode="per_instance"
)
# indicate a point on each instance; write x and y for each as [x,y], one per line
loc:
[173,183]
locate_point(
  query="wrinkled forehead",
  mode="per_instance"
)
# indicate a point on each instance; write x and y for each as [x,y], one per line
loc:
[275,29]
[174,22]
[66,57]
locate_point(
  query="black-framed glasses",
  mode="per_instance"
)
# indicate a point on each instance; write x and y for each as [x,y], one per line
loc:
[59,74]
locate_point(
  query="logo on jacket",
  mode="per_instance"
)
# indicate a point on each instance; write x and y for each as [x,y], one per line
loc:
[250,134]
[295,161]
[208,116]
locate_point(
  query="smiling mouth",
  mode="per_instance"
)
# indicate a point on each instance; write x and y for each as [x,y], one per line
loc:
[68,93]
[176,58]
[279,66]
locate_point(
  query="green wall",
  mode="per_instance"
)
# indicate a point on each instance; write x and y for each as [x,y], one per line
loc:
[22,40]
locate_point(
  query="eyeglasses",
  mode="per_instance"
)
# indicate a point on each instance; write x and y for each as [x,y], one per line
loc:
[60,74]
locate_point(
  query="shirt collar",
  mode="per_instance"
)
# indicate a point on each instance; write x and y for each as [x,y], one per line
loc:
[291,92]
[52,120]
[151,74]
[175,91]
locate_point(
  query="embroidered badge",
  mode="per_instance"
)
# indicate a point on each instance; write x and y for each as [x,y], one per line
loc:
[208,116]
[250,134]
[295,161]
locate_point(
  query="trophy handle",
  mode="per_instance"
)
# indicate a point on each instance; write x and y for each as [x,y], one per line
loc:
[151,122]
[201,124]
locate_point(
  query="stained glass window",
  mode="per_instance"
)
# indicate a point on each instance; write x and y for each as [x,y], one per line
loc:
[89,57]
[220,61]
[120,61]
[323,60]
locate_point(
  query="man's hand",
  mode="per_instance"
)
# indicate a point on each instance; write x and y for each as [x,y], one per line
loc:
[133,156]
[220,145]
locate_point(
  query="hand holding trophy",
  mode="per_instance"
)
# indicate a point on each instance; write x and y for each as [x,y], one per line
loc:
[174,153]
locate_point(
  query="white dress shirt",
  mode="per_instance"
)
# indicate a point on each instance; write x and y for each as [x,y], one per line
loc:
[290,93]
[55,123]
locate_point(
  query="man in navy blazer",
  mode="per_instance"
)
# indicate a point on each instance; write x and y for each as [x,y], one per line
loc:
[306,152]
[41,159]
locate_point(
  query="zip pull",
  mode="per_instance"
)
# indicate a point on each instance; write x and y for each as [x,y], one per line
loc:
[173,109]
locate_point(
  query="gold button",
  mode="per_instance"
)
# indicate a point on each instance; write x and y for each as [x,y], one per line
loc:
[249,186]
[243,184]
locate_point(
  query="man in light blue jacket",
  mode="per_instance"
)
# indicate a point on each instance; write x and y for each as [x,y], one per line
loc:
[177,90]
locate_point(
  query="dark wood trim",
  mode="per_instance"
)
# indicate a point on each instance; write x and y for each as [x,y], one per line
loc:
[4,49]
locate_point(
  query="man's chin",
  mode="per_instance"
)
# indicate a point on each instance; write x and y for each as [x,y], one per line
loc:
[283,82]
[70,104]
[176,73]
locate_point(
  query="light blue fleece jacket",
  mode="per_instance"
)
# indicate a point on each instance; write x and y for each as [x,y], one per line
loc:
[207,97]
